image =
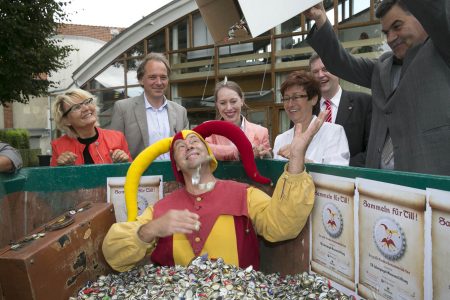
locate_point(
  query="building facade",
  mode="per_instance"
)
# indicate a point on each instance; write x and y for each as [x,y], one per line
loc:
[258,64]
[35,116]
[107,67]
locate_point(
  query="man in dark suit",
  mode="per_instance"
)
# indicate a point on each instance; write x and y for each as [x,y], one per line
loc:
[352,110]
[410,129]
[150,117]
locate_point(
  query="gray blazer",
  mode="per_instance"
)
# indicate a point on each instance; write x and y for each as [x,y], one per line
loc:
[417,113]
[129,116]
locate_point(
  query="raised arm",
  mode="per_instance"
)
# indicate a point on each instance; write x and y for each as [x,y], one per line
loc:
[337,60]
[300,144]
[283,216]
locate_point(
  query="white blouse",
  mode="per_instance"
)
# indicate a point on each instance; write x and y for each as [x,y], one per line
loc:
[329,145]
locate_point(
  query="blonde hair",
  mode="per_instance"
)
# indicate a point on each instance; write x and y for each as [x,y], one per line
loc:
[58,108]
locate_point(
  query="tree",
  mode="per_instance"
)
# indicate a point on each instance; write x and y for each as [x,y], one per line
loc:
[28,50]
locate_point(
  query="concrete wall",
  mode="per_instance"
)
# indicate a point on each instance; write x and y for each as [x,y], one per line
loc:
[34,116]
[1,118]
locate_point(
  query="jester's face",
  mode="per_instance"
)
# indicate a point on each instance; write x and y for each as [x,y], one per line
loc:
[189,152]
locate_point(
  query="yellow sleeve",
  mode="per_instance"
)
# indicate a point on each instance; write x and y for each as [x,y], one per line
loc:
[122,247]
[285,215]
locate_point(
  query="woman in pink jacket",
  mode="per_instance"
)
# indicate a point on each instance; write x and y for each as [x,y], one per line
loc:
[229,100]
[75,112]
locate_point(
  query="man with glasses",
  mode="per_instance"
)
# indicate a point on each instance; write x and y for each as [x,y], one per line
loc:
[300,92]
[410,129]
[150,117]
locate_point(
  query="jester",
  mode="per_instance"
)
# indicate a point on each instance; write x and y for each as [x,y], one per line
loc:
[208,215]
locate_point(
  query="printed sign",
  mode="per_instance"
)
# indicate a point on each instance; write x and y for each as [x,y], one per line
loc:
[332,228]
[391,241]
[440,235]
[150,190]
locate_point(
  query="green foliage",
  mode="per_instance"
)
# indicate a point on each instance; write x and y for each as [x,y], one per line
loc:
[18,138]
[30,157]
[28,49]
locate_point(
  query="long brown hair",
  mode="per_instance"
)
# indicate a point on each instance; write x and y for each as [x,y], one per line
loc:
[234,87]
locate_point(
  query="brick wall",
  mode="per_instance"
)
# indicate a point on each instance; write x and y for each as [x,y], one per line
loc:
[8,121]
[97,32]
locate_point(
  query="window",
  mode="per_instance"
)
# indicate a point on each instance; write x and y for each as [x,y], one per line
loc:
[132,65]
[179,35]
[111,77]
[155,43]
[136,50]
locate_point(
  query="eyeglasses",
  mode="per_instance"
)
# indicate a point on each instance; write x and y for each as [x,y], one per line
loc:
[295,97]
[77,107]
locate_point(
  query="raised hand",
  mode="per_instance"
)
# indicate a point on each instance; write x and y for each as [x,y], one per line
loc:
[316,13]
[301,142]
[285,151]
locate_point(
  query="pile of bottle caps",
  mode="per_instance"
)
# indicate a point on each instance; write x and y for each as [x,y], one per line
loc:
[207,279]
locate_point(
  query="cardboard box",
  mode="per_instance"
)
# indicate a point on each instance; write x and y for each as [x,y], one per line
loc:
[259,15]
[219,17]
[263,15]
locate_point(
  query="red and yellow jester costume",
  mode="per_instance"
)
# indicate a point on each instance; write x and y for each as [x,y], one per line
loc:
[231,214]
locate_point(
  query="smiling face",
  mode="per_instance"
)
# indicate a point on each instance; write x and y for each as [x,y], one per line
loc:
[155,80]
[329,84]
[229,105]
[80,117]
[189,153]
[402,30]
[298,107]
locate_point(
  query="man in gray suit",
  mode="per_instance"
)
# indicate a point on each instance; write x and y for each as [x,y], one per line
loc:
[351,110]
[410,129]
[150,117]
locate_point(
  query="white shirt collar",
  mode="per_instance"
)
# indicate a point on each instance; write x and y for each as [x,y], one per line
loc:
[148,105]
[334,100]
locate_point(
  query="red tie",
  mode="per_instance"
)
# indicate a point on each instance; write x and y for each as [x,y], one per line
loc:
[329,112]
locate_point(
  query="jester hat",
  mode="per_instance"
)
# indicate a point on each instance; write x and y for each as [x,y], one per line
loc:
[182,135]
[146,157]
